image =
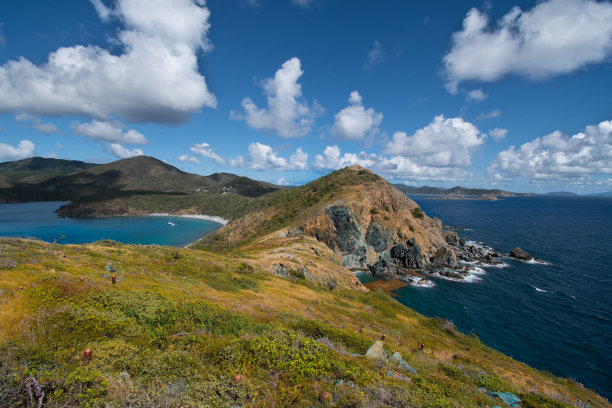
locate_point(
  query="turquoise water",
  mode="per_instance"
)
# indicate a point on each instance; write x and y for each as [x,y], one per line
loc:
[556,316]
[38,220]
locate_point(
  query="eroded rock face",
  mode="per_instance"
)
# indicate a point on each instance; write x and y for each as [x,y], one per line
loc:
[348,237]
[377,237]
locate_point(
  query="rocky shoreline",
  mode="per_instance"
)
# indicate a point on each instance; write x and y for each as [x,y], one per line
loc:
[460,261]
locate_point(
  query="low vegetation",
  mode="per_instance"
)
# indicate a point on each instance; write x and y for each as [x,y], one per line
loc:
[186,328]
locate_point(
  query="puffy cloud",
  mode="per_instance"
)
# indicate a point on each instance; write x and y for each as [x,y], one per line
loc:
[394,167]
[355,122]
[498,134]
[556,156]
[554,37]
[154,79]
[24,149]
[204,150]
[107,132]
[37,124]
[187,158]
[495,113]
[263,157]
[476,95]
[375,55]
[121,152]
[286,115]
[103,12]
[443,143]
[282,182]
[331,159]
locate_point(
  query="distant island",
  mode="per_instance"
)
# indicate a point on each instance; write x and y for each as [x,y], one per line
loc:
[458,191]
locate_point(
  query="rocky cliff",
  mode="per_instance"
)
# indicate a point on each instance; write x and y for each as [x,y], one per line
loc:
[360,222]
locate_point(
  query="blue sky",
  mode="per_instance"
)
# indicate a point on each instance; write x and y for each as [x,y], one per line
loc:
[512,94]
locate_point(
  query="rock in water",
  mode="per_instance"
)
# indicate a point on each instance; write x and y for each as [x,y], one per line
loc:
[445,257]
[520,254]
[376,351]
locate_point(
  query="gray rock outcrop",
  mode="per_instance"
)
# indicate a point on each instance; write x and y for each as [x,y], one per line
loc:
[520,254]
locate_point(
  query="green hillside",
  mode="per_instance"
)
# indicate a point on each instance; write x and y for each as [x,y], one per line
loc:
[138,184]
[185,328]
[41,168]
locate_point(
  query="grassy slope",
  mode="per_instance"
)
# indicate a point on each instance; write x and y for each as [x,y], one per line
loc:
[180,324]
[282,208]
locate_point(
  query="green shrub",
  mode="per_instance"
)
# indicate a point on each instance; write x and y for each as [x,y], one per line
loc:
[316,330]
[417,212]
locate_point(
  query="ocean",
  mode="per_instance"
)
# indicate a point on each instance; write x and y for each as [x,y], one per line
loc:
[555,316]
[38,220]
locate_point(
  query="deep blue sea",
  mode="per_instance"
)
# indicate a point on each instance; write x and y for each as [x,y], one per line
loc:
[555,317]
[38,220]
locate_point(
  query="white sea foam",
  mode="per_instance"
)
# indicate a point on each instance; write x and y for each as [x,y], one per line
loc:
[470,277]
[213,218]
[539,290]
[534,261]
[476,270]
[422,283]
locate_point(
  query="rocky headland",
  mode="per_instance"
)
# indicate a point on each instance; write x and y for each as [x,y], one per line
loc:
[362,223]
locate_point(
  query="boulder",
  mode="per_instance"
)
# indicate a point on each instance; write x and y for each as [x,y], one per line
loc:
[518,253]
[445,257]
[383,268]
[408,256]
[376,351]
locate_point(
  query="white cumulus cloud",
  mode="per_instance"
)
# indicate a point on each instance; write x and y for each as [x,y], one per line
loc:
[554,37]
[121,152]
[189,159]
[476,95]
[356,122]
[106,131]
[154,78]
[332,159]
[498,134]
[394,167]
[556,156]
[287,115]
[443,143]
[263,157]
[24,149]
[205,150]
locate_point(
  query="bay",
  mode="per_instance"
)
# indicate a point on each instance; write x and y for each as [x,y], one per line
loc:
[38,220]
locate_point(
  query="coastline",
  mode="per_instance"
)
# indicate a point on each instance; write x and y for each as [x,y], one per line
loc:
[212,218]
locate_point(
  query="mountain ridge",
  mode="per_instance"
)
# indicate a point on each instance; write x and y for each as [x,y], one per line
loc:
[123,187]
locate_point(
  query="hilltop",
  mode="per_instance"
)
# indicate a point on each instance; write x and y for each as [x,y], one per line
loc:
[136,185]
[348,219]
[37,169]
